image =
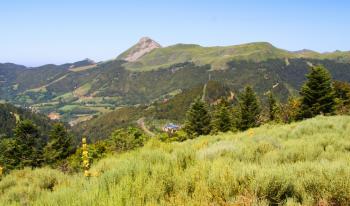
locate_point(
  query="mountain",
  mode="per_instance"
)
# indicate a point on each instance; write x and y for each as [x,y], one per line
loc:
[147,73]
[144,46]
[20,78]
[218,56]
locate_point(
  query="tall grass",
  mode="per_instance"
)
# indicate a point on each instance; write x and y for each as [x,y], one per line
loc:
[305,163]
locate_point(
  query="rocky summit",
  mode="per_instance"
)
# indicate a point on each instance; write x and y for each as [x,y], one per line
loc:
[144,46]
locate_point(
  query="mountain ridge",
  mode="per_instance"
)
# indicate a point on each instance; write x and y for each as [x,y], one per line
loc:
[248,50]
[218,56]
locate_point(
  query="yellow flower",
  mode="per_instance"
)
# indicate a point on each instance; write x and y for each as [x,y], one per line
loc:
[84,146]
[85,157]
[1,171]
[250,132]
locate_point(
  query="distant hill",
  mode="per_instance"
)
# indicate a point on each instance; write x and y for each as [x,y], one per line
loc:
[147,72]
[218,56]
[9,115]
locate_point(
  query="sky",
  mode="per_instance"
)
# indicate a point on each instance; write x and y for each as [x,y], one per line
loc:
[37,32]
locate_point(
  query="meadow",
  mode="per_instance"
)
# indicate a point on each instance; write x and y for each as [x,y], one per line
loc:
[302,163]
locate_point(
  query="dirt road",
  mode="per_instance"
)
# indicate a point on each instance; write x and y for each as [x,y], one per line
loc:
[142,125]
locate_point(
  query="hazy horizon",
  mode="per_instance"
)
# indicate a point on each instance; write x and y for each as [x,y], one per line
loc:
[37,32]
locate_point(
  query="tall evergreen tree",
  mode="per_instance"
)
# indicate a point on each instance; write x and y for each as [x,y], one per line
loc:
[222,117]
[198,119]
[317,94]
[59,146]
[273,107]
[30,144]
[9,154]
[249,109]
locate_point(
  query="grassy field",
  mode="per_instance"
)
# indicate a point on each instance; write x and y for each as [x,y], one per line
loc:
[305,163]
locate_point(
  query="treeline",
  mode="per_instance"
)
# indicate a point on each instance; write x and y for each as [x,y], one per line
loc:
[319,95]
[29,146]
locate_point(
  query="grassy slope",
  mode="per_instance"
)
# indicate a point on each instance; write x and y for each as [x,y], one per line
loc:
[218,56]
[304,162]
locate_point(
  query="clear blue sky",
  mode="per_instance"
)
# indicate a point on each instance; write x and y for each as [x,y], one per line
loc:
[36,32]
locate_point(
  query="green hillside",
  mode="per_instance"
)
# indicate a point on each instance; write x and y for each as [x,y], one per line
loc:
[10,114]
[218,56]
[167,109]
[304,163]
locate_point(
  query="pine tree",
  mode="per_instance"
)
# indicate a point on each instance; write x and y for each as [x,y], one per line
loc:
[59,146]
[30,144]
[273,107]
[249,109]
[9,154]
[198,119]
[222,117]
[317,94]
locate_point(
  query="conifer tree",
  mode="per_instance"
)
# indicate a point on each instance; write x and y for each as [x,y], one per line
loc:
[198,119]
[29,144]
[222,117]
[249,109]
[59,146]
[317,94]
[9,154]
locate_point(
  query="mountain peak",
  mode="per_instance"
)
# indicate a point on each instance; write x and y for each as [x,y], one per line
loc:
[145,39]
[144,46]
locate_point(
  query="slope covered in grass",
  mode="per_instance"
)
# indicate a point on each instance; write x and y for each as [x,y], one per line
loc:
[215,56]
[303,163]
[219,56]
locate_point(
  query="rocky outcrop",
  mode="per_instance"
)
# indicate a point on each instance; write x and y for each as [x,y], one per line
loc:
[144,46]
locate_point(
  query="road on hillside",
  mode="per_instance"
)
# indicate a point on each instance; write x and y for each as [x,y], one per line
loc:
[142,125]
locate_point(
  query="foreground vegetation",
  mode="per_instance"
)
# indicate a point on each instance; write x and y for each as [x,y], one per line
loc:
[301,163]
